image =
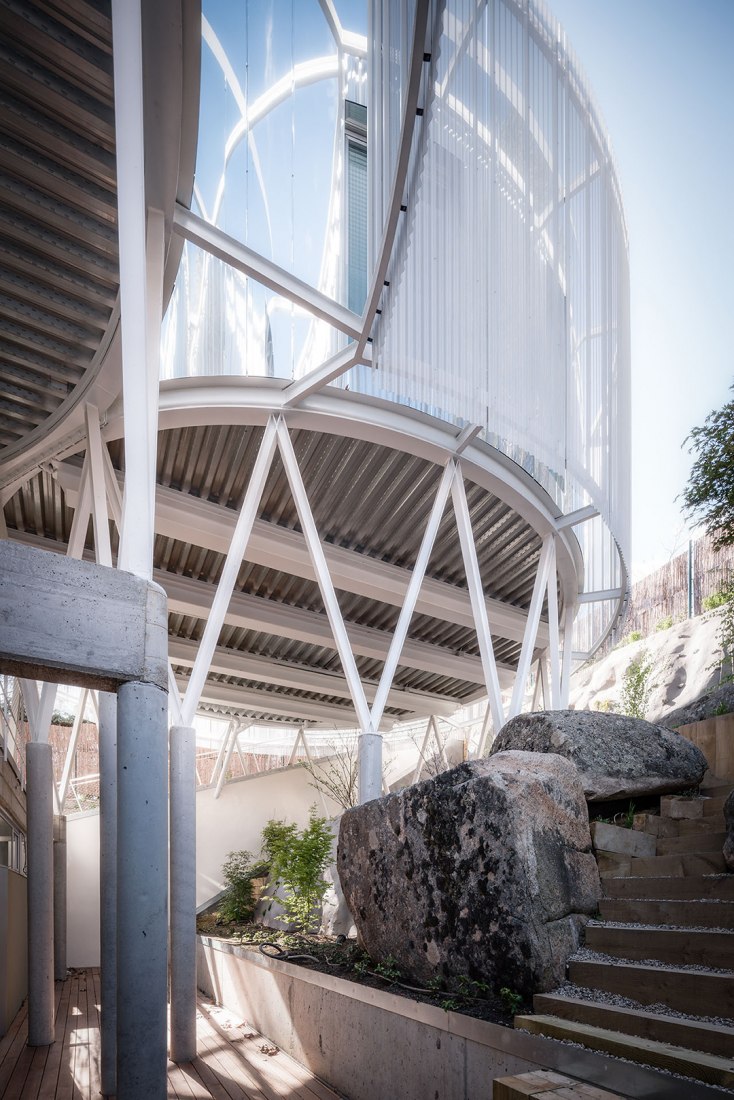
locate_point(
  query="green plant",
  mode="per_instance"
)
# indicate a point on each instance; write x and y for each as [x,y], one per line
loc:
[298,861]
[389,969]
[449,1005]
[62,718]
[476,990]
[720,708]
[716,599]
[633,636]
[603,705]
[238,871]
[626,820]
[511,1000]
[665,623]
[636,685]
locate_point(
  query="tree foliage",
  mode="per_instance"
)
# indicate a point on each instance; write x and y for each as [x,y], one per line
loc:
[238,871]
[298,862]
[709,495]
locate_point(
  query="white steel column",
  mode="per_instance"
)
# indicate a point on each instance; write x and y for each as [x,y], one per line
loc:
[232,564]
[142,726]
[478,602]
[568,619]
[183,893]
[227,757]
[547,558]
[95,457]
[370,742]
[71,749]
[39,784]
[553,633]
[108,889]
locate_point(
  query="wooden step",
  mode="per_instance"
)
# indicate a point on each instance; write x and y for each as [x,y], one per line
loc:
[676,806]
[695,842]
[655,824]
[680,865]
[679,946]
[703,825]
[547,1084]
[712,994]
[713,807]
[697,914]
[691,1034]
[702,1067]
[719,887]
[625,842]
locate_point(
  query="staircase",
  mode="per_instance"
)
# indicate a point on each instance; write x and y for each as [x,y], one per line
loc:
[654,982]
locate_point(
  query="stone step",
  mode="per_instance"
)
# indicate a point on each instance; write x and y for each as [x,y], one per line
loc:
[681,864]
[710,1068]
[693,843]
[691,1034]
[678,946]
[696,914]
[715,887]
[712,994]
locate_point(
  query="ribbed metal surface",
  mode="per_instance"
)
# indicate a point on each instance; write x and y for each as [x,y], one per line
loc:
[371,500]
[58,212]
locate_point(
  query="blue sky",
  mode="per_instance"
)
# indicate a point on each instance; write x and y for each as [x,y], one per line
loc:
[663,76]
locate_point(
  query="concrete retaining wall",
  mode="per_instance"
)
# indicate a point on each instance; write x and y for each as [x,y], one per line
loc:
[369,1044]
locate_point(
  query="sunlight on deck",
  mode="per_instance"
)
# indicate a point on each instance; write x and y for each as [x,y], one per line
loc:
[235,1062]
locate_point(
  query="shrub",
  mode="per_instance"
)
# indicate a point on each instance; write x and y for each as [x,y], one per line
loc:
[633,636]
[636,686]
[298,861]
[664,623]
[716,599]
[238,871]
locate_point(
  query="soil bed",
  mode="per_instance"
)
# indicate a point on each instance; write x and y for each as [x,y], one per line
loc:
[343,958]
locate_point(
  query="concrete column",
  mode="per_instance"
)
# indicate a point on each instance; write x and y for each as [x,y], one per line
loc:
[108,889]
[60,897]
[142,891]
[370,766]
[183,893]
[39,790]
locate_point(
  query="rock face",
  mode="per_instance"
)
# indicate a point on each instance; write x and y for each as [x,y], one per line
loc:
[709,705]
[729,842]
[485,871]
[617,756]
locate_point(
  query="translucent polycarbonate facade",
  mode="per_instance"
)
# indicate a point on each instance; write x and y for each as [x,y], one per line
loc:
[506,301]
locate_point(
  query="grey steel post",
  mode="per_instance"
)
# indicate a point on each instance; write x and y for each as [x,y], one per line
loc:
[183,893]
[60,897]
[39,790]
[142,891]
[108,889]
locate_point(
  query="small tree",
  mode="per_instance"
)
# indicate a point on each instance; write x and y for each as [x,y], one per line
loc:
[636,686]
[298,862]
[337,775]
[709,495]
[238,871]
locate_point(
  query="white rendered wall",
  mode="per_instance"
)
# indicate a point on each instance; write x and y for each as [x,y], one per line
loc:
[82,890]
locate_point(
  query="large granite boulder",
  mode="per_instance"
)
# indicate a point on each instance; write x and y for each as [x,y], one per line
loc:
[617,756]
[729,821]
[485,871]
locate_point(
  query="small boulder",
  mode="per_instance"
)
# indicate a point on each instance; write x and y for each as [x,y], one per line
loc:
[617,756]
[729,821]
[485,871]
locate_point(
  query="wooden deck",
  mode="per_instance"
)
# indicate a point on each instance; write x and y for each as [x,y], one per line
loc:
[234,1063]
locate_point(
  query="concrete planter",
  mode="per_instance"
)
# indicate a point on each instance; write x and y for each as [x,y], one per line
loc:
[370,1044]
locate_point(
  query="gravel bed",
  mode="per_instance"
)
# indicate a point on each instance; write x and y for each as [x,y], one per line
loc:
[585,954]
[655,927]
[616,1000]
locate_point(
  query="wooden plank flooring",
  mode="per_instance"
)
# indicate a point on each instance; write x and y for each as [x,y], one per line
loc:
[234,1062]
